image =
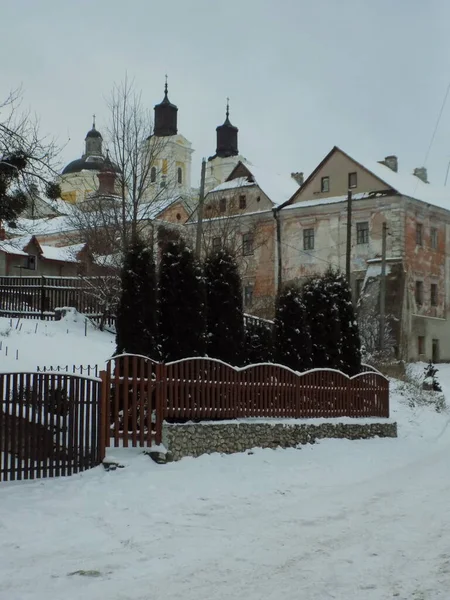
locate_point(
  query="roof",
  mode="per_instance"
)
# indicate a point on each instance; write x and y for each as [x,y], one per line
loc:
[62,254]
[278,188]
[10,248]
[404,184]
[87,163]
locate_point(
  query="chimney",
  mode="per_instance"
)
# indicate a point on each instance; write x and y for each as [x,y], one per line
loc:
[299,178]
[421,173]
[391,162]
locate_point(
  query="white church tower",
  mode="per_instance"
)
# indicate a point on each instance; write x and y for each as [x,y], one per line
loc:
[227,154]
[171,164]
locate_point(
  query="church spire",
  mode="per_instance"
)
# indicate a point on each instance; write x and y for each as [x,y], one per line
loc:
[227,137]
[93,141]
[165,116]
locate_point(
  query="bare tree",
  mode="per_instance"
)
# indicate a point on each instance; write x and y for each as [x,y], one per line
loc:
[27,158]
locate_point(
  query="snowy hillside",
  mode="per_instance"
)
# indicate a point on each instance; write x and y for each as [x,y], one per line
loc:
[339,519]
[28,343]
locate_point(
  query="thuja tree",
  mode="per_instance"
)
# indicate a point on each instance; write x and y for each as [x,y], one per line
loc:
[225,319]
[136,312]
[350,343]
[323,319]
[292,336]
[258,345]
[181,303]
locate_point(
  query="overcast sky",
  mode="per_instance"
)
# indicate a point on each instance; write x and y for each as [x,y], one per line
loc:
[303,75]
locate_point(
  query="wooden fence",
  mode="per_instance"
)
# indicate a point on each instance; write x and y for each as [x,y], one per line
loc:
[88,370]
[50,425]
[38,297]
[139,394]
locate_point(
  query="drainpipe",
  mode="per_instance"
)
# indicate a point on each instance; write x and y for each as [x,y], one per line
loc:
[276,216]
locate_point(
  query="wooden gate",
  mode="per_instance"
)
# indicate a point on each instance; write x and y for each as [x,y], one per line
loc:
[130,386]
[50,425]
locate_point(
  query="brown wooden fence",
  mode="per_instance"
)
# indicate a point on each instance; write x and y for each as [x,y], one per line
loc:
[50,425]
[38,297]
[141,393]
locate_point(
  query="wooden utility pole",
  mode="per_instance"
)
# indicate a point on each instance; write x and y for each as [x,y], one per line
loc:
[348,255]
[201,199]
[383,287]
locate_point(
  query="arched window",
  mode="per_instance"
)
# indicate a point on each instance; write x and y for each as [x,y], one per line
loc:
[180,175]
[153,175]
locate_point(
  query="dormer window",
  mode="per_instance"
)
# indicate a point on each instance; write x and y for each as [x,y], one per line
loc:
[325,184]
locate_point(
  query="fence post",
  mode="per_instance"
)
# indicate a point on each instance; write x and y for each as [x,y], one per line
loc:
[161,400]
[42,297]
[104,415]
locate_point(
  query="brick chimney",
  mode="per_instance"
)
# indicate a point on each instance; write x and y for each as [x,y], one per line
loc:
[299,178]
[421,173]
[391,162]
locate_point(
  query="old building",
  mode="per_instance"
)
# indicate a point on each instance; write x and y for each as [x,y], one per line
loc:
[313,235]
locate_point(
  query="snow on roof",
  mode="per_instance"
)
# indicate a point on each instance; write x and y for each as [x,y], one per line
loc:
[232,184]
[45,226]
[152,209]
[277,187]
[63,254]
[324,201]
[10,248]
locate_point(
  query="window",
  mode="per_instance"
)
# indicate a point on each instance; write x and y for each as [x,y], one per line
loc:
[325,184]
[247,244]
[435,350]
[31,262]
[421,344]
[352,180]
[419,234]
[308,239]
[180,175]
[433,294]
[164,166]
[358,287]
[434,238]
[216,244]
[242,202]
[223,204]
[248,295]
[153,175]
[419,293]
[362,232]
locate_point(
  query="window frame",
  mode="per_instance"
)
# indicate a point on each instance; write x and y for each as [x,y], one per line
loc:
[419,234]
[248,295]
[179,176]
[325,184]
[308,235]
[418,292]
[434,237]
[153,175]
[362,234]
[242,202]
[350,175]
[434,294]
[248,241]
[222,205]
[421,345]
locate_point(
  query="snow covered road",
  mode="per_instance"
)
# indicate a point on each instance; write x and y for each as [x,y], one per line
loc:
[340,519]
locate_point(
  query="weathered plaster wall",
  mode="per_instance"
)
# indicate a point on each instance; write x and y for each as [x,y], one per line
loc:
[194,439]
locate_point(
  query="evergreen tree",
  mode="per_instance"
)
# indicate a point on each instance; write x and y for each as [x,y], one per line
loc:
[225,319]
[181,303]
[258,346]
[136,313]
[350,344]
[292,337]
[317,309]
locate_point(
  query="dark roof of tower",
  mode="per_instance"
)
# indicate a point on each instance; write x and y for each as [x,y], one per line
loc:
[165,117]
[90,163]
[93,133]
[227,138]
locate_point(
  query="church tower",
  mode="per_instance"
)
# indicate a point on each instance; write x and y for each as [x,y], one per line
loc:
[227,153]
[171,153]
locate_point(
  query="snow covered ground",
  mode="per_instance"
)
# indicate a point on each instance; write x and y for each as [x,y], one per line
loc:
[366,520]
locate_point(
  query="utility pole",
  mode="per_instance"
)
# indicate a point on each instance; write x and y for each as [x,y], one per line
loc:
[349,237]
[201,199]
[276,215]
[383,287]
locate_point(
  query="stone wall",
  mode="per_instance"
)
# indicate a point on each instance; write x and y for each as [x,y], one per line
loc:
[194,439]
